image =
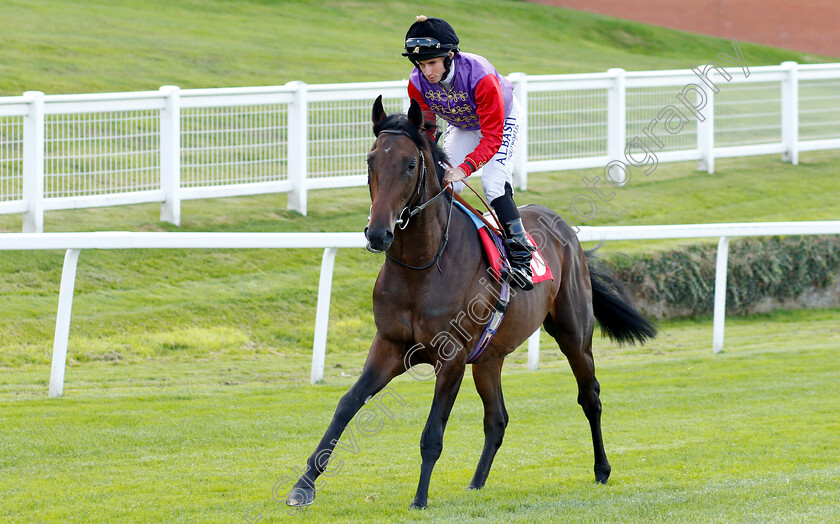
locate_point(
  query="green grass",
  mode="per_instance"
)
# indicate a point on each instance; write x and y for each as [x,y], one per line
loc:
[749,435]
[93,45]
[187,390]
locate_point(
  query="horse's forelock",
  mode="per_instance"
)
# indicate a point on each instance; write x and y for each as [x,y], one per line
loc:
[400,122]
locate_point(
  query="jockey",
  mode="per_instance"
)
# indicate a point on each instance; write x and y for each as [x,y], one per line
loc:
[482,114]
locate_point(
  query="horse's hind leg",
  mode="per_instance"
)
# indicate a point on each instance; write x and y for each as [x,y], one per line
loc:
[488,383]
[572,328]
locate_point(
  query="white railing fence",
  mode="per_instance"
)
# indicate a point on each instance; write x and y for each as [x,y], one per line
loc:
[76,151]
[73,243]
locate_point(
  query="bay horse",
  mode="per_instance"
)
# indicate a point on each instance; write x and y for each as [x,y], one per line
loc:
[434,270]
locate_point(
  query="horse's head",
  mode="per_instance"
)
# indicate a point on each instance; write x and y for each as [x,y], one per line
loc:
[396,172]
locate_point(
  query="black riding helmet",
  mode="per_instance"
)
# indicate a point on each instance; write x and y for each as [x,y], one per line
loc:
[430,38]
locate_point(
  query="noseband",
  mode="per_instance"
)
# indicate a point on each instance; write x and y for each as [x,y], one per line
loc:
[411,209]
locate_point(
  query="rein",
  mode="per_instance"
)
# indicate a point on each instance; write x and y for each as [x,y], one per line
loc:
[443,243]
[496,228]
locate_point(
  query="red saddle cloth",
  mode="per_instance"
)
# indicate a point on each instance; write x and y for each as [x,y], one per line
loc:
[493,247]
[539,269]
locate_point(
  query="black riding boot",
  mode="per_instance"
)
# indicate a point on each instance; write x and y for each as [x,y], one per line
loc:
[518,247]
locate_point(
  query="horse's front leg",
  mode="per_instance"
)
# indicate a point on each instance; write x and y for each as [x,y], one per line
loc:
[384,362]
[431,443]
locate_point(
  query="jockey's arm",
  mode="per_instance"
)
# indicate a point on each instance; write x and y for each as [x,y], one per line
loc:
[490,106]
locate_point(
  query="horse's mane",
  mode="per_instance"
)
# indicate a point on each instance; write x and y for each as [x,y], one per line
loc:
[400,122]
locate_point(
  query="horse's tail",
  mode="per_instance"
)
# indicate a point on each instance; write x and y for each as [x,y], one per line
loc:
[613,308]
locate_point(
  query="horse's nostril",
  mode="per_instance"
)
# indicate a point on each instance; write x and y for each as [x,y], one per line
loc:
[378,239]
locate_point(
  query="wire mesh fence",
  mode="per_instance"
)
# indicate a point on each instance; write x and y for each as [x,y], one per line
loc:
[101,153]
[645,105]
[340,136]
[567,124]
[234,145]
[11,158]
[819,109]
[748,114]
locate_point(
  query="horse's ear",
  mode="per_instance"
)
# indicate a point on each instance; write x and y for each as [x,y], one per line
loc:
[415,114]
[378,111]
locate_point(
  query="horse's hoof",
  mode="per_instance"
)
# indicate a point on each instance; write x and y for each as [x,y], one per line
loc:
[602,474]
[300,497]
[473,486]
[418,505]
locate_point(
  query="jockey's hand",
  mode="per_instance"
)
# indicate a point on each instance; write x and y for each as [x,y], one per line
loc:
[454,174]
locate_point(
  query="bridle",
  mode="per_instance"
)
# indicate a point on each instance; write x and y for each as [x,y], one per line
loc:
[410,209]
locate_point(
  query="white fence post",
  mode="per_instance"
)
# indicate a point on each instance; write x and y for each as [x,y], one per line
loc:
[170,155]
[322,315]
[33,163]
[298,148]
[790,113]
[520,166]
[62,322]
[534,350]
[617,124]
[720,294]
[706,130]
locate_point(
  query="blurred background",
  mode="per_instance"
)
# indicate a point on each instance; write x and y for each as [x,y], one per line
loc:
[807,27]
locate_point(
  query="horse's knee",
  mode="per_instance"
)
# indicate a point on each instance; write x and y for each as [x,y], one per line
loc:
[430,452]
[357,395]
[347,407]
[590,402]
[431,445]
[494,431]
[494,427]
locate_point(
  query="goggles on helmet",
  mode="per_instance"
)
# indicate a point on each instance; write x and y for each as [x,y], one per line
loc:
[425,46]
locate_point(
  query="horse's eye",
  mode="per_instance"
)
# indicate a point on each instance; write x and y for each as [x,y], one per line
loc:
[412,164]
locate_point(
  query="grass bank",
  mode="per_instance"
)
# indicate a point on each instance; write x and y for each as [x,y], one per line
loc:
[132,304]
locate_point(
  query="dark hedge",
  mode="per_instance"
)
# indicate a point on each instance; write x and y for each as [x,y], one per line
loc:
[768,269]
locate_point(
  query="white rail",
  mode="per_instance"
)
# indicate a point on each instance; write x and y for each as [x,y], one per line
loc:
[73,243]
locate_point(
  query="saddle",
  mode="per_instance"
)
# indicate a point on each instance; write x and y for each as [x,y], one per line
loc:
[494,248]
